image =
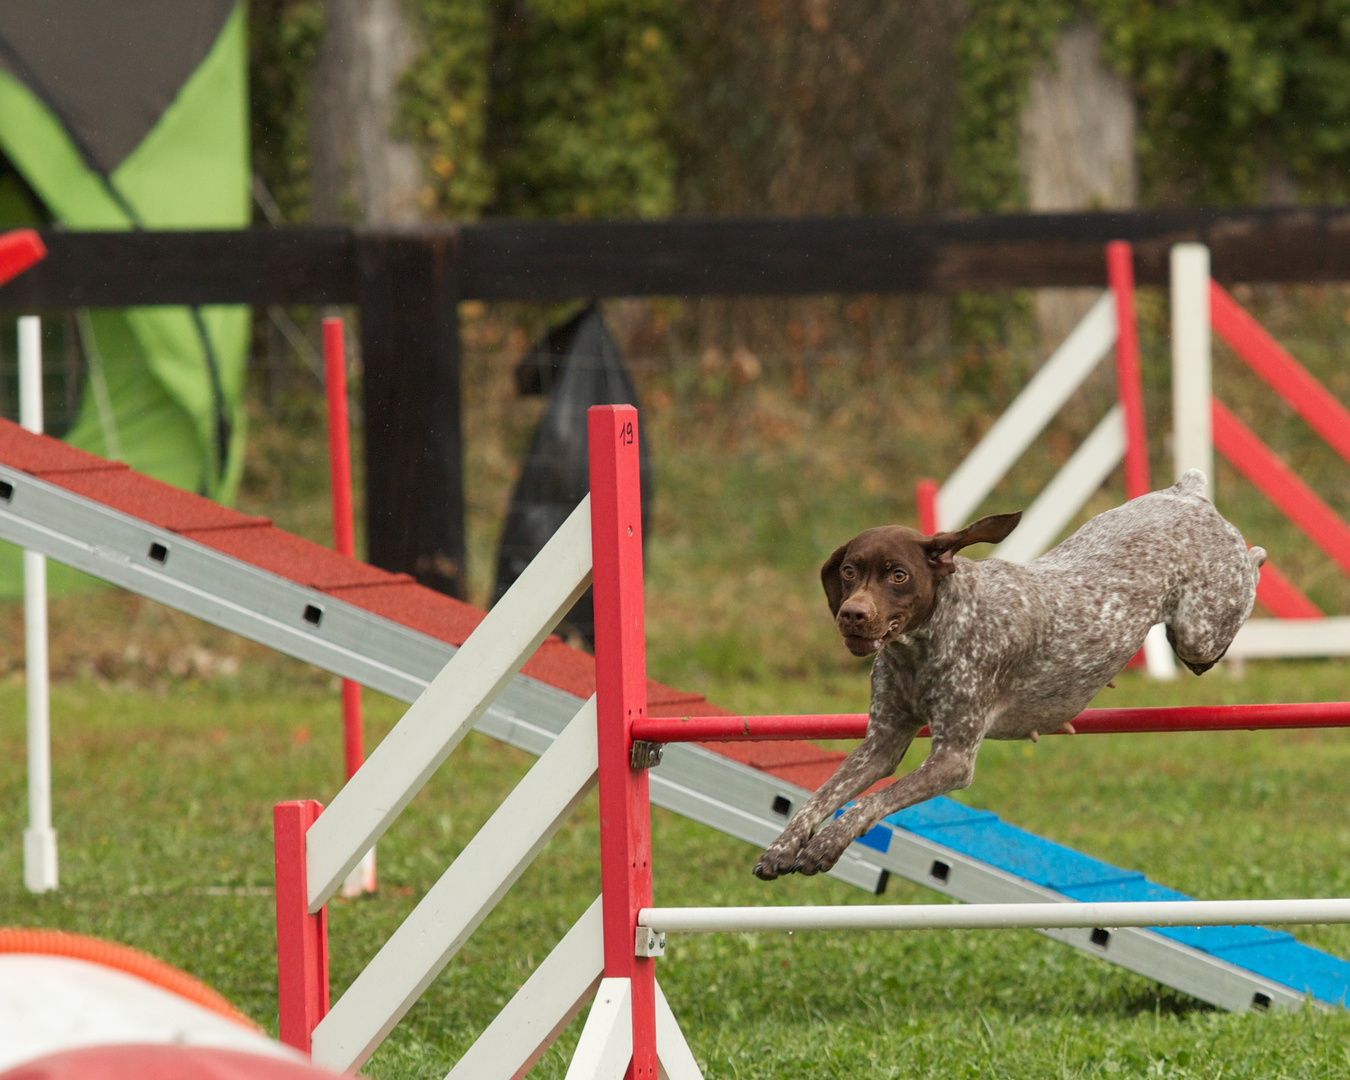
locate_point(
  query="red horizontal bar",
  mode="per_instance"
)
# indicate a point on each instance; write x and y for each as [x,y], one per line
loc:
[1280,371]
[749,728]
[1318,714]
[1281,485]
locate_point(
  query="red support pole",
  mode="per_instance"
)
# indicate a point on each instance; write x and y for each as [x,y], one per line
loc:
[340,484]
[302,938]
[1129,383]
[925,498]
[621,699]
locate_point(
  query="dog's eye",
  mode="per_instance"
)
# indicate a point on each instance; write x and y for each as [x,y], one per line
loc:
[849,573]
[898,577]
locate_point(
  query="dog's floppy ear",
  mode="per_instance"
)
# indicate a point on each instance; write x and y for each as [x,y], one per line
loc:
[834,584]
[940,547]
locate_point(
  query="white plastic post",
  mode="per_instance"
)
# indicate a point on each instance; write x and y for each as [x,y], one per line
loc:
[1192,429]
[39,839]
[1158,659]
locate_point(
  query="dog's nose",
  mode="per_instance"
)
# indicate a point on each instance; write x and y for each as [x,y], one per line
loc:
[854,613]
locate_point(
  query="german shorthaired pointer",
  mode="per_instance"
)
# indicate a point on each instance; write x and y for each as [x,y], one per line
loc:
[1005,651]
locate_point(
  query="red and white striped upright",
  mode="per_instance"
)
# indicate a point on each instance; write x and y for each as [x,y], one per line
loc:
[621,699]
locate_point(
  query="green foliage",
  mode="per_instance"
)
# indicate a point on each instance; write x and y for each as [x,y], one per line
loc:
[1232,94]
[580,108]
[283,37]
[998,49]
[444,103]
[581,96]
[1232,91]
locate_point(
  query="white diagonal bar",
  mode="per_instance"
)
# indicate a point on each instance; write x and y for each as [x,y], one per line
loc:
[674,1059]
[449,706]
[606,1044]
[1067,493]
[1028,414]
[997,916]
[560,987]
[455,906]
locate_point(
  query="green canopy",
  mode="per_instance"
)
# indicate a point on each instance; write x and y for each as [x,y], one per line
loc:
[131,116]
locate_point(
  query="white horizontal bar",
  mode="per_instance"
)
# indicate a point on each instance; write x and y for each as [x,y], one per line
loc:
[1068,492]
[996,916]
[454,701]
[463,897]
[1028,414]
[1292,637]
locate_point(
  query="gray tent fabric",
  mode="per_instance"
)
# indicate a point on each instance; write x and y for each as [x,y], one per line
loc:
[578,365]
[109,74]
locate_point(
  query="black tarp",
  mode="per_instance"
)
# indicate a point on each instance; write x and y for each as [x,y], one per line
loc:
[578,365]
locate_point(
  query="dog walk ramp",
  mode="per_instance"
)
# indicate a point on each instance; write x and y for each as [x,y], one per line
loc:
[386,631]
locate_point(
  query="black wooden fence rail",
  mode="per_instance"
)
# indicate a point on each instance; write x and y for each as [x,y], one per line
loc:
[407,284]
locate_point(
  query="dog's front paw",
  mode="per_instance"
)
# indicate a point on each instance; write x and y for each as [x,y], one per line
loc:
[778,858]
[824,849]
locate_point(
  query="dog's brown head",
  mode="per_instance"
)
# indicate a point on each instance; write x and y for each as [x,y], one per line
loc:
[883,583]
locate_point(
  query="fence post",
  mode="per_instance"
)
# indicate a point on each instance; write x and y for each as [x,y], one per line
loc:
[621,698]
[1192,434]
[302,938]
[410,361]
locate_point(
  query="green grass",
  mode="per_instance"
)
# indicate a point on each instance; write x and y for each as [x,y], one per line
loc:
[163,797]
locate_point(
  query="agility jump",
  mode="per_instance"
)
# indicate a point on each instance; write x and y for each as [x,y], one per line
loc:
[609,954]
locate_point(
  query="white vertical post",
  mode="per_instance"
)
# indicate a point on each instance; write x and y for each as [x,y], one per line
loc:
[1192,429]
[39,839]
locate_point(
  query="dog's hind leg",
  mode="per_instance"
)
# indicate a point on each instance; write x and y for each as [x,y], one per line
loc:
[878,755]
[1203,619]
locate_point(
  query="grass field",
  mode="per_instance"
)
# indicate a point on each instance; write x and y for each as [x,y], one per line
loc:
[173,740]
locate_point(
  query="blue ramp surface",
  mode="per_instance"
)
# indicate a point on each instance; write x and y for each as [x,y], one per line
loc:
[979,834]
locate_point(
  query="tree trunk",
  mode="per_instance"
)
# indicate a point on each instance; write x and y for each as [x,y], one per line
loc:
[361,170]
[1077,153]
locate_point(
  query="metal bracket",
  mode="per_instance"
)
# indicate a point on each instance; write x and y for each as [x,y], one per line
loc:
[646,755]
[649,943]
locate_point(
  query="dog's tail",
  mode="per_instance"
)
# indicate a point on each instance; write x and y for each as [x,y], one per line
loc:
[1193,482]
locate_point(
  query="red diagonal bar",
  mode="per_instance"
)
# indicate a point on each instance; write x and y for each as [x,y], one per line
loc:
[1281,485]
[1280,371]
[1282,598]
[1281,716]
